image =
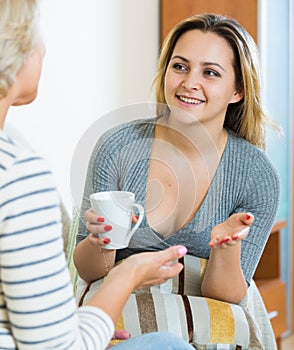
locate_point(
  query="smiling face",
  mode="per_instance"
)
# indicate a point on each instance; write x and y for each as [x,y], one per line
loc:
[200,78]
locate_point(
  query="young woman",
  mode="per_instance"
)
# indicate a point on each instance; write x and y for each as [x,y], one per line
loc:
[198,167]
[37,307]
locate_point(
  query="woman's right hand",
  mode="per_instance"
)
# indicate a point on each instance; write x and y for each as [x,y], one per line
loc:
[90,260]
[96,225]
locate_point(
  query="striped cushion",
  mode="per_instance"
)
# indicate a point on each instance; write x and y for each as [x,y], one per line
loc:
[70,245]
[201,321]
[177,307]
[188,281]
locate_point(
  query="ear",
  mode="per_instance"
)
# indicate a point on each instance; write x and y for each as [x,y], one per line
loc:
[237,96]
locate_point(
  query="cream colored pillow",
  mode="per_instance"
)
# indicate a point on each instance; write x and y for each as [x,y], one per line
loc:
[177,307]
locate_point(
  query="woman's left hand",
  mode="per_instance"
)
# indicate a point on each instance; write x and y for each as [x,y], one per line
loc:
[120,335]
[231,231]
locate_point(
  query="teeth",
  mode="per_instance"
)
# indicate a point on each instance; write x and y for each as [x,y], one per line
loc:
[189,100]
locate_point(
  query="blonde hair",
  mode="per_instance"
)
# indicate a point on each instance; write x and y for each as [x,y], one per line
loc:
[246,118]
[19,37]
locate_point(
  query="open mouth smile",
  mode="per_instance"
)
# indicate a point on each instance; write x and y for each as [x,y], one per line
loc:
[190,100]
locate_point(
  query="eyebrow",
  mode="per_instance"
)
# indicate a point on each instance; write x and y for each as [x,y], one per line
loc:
[204,63]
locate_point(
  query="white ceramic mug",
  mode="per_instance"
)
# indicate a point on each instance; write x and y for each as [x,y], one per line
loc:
[117,207]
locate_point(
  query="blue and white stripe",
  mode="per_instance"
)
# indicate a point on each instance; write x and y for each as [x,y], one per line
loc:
[37,307]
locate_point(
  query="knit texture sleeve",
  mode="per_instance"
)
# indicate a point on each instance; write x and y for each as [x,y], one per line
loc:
[119,161]
[260,197]
[102,173]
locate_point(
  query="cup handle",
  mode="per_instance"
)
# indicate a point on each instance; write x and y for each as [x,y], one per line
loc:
[138,223]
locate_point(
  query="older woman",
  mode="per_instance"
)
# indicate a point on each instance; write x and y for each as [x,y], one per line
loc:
[37,307]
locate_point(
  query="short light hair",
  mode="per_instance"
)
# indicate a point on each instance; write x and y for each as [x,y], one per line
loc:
[246,117]
[19,37]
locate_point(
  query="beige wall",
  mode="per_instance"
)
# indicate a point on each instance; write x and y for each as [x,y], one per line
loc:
[101,55]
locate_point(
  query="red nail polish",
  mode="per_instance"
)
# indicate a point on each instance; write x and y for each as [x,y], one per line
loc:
[100,219]
[248,217]
[106,240]
[107,227]
[224,241]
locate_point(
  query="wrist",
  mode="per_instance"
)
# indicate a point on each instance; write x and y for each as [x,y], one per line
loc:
[124,272]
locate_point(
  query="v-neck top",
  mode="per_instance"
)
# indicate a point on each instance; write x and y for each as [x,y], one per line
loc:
[245,181]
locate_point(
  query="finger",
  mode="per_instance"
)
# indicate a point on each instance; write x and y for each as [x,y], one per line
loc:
[247,218]
[225,241]
[220,242]
[213,243]
[169,271]
[97,228]
[89,215]
[172,253]
[241,234]
[217,244]
[92,217]
[121,334]
[101,241]
[134,219]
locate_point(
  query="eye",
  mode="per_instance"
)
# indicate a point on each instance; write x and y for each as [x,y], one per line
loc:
[179,67]
[211,73]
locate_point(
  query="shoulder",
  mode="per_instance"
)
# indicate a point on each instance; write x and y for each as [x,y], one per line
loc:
[247,152]
[238,144]
[15,156]
[26,182]
[135,128]
[113,139]
[22,169]
[249,158]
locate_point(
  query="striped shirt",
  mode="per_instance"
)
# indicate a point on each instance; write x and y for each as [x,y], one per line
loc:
[37,306]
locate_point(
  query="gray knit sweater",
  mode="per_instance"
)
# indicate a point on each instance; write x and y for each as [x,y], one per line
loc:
[245,181]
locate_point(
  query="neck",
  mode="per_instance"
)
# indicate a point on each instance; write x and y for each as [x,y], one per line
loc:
[4,106]
[192,139]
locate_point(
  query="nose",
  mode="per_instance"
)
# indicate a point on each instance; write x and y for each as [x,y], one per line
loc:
[192,81]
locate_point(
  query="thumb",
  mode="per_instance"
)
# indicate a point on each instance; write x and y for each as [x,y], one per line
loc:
[247,218]
[173,253]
